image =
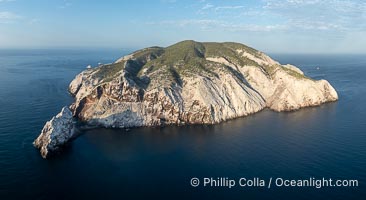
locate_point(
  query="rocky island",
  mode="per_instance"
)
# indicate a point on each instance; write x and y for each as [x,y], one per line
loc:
[186,83]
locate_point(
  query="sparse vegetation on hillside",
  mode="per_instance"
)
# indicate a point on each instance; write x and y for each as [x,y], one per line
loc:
[183,56]
[294,73]
[108,71]
[234,45]
[149,52]
[228,51]
[184,59]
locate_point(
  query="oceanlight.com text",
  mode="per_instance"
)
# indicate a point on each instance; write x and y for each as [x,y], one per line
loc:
[317,183]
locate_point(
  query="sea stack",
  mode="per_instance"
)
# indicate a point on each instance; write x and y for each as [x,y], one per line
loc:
[187,83]
[56,133]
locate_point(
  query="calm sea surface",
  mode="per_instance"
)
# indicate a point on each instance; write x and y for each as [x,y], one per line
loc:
[327,141]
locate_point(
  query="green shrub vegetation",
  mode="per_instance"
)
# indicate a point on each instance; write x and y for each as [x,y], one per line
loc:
[185,58]
[108,71]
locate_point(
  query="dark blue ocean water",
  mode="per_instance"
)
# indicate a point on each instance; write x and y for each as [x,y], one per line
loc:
[327,141]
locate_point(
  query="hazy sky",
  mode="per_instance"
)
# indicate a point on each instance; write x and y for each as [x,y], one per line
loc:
[282,26]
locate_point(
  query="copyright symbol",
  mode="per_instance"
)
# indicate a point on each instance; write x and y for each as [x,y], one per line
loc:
[195,182]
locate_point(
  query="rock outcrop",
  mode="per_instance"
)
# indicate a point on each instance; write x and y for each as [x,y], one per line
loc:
[56,133]
[189,83]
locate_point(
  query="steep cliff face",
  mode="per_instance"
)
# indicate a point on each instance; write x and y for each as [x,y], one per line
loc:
[56,133]
[191,83]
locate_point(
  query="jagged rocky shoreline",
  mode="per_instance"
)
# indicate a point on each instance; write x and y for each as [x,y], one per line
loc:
[186,83]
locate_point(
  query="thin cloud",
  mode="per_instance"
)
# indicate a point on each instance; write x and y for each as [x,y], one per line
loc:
[66,4]
[7,17]
[187,22]
[228,8]
[168,1]
[340,15]
[319,15]
[215,25]
[207,6]
[210,7]
[275,4]
[315,25]
[33,21]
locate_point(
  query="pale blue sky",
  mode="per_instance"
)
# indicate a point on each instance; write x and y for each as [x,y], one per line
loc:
[276,26]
